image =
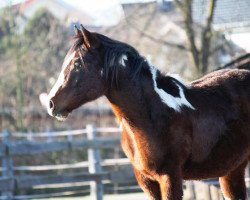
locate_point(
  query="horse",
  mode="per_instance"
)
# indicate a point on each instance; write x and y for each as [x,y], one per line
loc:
[172,130]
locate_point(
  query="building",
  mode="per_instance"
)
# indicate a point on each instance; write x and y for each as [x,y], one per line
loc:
[230,16]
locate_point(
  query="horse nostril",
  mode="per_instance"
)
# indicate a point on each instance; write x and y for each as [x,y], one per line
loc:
[51,104]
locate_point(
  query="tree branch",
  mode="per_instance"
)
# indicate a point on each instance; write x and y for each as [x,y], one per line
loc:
[206,37]
[160,41]
[147,24]
[186,8]
[179,4]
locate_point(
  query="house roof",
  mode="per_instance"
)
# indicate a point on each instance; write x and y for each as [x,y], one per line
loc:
[228,13]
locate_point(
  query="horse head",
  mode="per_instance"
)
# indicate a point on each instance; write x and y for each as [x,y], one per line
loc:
[90,69]
[80,79]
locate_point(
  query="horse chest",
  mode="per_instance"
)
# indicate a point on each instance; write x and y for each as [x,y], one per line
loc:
[138,156]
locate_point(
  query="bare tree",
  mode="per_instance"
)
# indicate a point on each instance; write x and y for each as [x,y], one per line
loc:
[200,54]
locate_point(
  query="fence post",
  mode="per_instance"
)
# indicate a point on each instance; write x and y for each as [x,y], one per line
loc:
[116,168]
[96,187]
[190,187]
[207,191]
[7,165]
[49,135]
[69,136]
[30,136]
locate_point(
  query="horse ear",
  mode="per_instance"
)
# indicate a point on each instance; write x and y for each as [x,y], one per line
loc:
[77,30]
[88,37]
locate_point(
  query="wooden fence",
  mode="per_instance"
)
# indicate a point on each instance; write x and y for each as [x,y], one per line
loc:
[96,177]
[9,183]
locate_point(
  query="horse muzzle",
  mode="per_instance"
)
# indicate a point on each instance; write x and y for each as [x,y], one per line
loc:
[58,114]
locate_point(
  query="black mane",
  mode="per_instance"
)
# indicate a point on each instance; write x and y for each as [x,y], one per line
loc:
[113,51]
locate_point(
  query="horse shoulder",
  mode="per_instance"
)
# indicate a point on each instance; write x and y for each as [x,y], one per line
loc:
[132,144]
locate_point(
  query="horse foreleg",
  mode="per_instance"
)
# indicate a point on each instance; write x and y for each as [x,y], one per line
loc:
[171,186]
[233,184]
[150,187]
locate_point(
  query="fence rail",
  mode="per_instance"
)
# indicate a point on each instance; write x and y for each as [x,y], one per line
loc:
[9,183]
[96,176]
[63,133]
[84,164]
[18,148]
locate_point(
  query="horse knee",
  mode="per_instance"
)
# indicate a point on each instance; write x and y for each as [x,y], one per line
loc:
[171,187]
[233,184]
[150,187]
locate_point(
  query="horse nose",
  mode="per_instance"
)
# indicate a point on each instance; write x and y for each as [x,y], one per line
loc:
[51,105]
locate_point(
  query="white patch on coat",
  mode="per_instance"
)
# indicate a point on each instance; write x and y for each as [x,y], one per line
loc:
[101,72]
[123,59]
[169,100]
[178,78]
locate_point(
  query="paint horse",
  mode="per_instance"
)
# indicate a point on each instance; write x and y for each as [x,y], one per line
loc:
[172,131]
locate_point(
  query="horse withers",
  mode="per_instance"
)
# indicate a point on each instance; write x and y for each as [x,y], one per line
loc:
[172,131]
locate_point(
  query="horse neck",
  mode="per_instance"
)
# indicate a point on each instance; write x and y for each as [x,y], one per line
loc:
[135,101]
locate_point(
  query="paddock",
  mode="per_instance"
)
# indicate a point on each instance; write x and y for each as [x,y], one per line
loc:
[100,179]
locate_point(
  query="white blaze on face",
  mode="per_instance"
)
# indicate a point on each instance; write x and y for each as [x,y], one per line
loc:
[60,79]
[171,101]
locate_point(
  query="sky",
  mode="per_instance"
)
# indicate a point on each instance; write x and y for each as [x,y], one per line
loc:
[102,12]
[242,40]
[81,3]
[8,2]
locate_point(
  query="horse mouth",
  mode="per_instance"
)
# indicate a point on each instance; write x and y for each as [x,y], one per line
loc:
[61,117]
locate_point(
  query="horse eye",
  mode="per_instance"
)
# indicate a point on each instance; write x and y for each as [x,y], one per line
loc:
[77,64]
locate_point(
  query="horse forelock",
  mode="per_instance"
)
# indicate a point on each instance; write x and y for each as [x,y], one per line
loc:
[76,42]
